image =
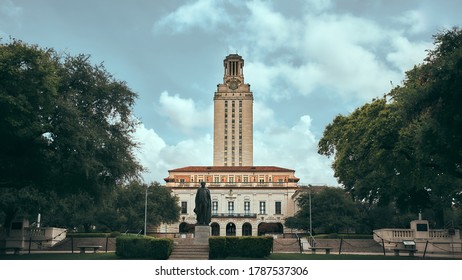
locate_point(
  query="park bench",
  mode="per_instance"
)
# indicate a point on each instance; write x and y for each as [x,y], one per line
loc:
[409,247]
[94,247]
[410,251]
[15,250]
[326,249]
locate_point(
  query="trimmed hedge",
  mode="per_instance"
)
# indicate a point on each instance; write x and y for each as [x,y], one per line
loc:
[245,247]
[144,247]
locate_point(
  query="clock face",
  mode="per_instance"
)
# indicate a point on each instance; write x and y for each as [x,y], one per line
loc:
[234,84]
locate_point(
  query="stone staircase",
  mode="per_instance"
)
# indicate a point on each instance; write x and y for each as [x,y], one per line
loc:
[184,249]
[286,245]
[66,244]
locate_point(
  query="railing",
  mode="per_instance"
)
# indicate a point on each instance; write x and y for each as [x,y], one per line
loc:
[237,184]
[403,233]
[32,232]
[234,215]
[438,234]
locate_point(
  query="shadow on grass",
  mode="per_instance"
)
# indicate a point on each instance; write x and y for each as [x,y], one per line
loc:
[336,257]
[113,256]
[61,256]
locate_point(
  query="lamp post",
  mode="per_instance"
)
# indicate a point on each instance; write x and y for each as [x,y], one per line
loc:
[145,209]
[309,197]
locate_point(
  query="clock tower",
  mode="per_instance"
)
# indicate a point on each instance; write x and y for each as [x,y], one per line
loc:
[233,117]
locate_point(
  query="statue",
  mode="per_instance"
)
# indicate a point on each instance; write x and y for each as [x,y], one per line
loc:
[203,207]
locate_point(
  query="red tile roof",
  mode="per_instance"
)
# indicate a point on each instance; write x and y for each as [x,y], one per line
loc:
[231,169]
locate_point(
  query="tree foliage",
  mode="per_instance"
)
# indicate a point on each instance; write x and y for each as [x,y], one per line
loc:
[125,210]
[65,125]
[122,209]
[332,211]
[405,148]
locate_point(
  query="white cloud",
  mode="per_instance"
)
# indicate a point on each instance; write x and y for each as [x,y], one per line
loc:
[157,157]
[204,14]
[274,144]
[350,57]
[183,114]
[294,148]
[406,54]
[271,29]
[262,115]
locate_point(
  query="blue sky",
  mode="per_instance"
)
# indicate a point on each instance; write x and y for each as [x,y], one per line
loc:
[306,61]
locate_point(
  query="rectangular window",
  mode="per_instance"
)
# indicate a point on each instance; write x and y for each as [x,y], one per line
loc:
[184,207]
[277,208]
[246,207]
[214,207]
[230,207]
[262,207]
[246,179]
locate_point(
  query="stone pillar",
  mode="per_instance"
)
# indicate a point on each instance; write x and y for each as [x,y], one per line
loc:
[201,235]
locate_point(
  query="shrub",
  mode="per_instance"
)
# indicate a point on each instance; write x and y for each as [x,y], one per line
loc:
[144,247]
[115,234]
[246,247]
[217,247]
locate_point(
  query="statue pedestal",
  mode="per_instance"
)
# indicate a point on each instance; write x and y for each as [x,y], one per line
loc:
[201,235]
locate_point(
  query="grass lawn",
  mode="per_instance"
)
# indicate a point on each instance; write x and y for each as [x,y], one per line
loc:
[112,256]
[61,256]
[336,257]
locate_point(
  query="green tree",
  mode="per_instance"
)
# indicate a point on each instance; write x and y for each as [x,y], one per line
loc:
[405,149]
[125,209]
[332,211]
[65,125]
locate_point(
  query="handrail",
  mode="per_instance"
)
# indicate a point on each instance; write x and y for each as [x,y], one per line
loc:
[299,243]
[311,240]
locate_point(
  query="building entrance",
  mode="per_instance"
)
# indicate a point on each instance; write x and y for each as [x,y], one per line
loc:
[246,229]
[215,229]
[270,228]
[230,229]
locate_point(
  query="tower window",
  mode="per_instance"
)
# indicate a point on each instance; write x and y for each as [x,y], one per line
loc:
[262,207]
[277,208]
[214,207]
[246,207]
[230,207]
[184,207]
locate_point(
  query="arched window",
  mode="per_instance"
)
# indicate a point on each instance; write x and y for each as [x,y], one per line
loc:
[246,229]
[230,229]
[215,229]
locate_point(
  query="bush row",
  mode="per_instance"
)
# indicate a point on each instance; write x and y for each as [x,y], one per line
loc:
[246,247]
[143,247]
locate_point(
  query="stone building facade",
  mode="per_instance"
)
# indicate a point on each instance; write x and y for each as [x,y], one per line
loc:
[246,199]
